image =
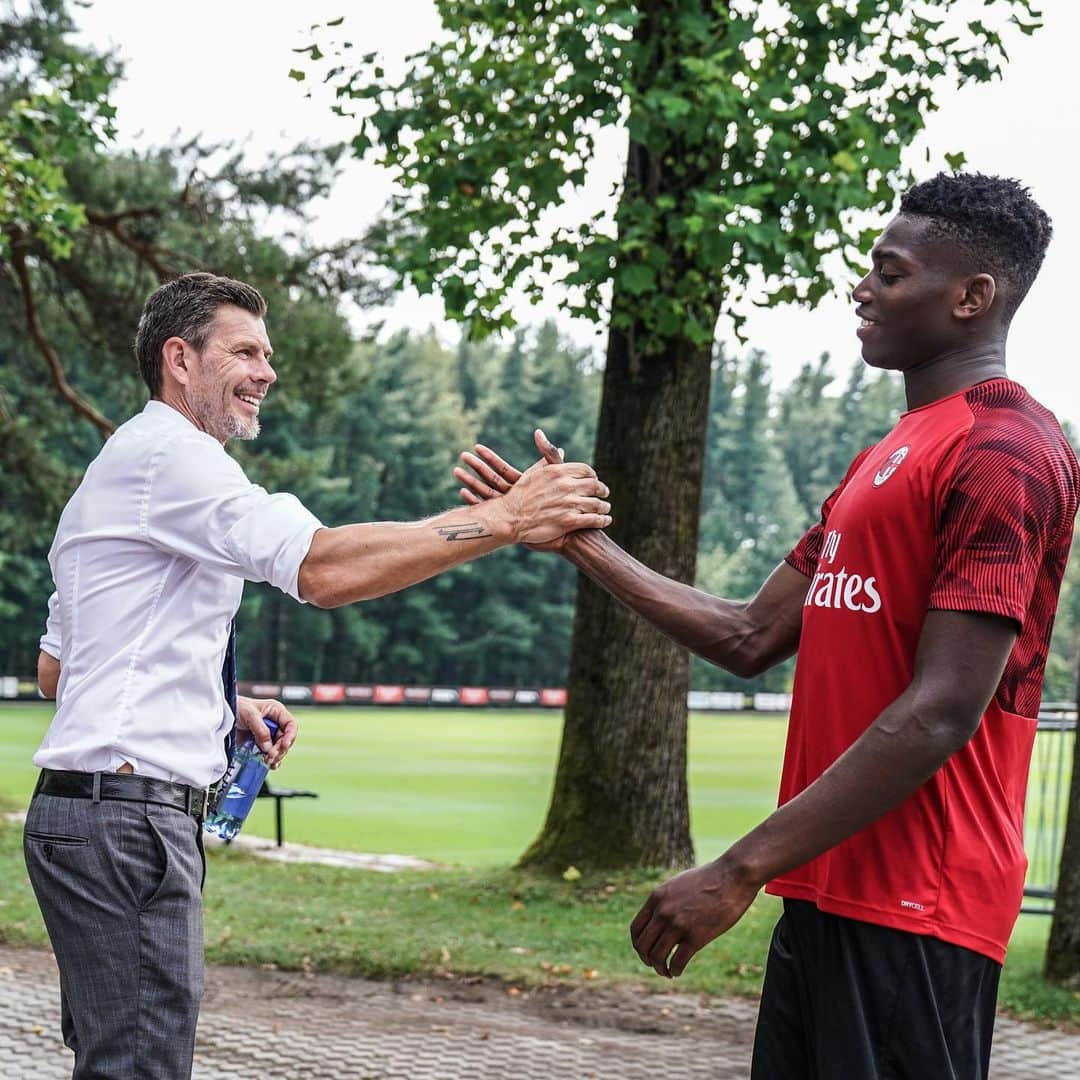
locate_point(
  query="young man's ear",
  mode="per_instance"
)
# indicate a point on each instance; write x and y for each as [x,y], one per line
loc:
[977,298]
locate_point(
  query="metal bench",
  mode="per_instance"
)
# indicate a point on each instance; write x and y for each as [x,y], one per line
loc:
[278,794]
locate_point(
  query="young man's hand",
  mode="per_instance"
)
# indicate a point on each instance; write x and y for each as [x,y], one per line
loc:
[249,717]
[684,914]
[493,477]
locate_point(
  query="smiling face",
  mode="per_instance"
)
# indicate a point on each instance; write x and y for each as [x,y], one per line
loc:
[910,304]
[231,375]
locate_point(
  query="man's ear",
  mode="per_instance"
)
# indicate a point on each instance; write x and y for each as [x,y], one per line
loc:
[977,297]
[176,356]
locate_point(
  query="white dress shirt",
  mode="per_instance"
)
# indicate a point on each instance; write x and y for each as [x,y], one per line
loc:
[149,562]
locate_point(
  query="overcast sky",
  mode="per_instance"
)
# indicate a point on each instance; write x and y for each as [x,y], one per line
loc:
[221,69]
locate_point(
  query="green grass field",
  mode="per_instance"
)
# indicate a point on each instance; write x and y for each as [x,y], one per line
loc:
[468,790]
[457,787]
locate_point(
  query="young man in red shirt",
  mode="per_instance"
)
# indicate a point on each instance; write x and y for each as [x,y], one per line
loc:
[921,606]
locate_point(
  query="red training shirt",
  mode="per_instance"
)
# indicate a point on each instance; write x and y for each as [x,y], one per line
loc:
[966,505]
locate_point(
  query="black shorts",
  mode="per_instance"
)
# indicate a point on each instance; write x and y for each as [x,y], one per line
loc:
[848,1000]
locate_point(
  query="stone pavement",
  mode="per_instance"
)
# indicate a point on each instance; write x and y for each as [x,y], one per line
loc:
[265,848]
[260,1024]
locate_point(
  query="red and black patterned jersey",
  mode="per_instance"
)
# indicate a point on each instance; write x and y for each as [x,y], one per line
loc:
[966,505]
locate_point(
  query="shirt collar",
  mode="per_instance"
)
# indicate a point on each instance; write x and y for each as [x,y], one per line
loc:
[163,413]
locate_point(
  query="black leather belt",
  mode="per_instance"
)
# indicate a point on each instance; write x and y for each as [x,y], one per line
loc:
[126,787]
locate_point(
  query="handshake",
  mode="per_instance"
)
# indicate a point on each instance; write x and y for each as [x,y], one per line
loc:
[543,505]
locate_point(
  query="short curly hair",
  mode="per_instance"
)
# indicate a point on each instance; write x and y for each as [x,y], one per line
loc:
[994,221]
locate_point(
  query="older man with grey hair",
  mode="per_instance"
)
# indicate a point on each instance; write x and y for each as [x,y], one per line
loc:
[149,561]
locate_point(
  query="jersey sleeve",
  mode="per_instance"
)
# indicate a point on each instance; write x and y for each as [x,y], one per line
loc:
[1005,505]
[201,506]
[805,554]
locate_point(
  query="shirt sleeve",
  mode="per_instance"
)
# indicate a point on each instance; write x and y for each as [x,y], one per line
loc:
[805,554]
[50,640]
[1003,508]
[199,504]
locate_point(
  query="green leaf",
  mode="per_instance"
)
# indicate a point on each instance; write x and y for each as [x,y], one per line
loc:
[637,278]
[492,124]
[673,106]
[844,160]
[295,73]
[697,332]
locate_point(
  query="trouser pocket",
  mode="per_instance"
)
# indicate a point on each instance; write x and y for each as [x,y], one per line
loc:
[143,856]
[55,838]
[49,842]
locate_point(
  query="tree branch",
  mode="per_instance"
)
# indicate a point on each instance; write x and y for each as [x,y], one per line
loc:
[150,255]
[108,220]
[18,261]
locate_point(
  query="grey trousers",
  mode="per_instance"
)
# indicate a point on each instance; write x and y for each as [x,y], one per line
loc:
[120,887]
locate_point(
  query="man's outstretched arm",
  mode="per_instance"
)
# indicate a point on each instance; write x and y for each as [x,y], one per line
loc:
[360,562]
[958,665]
[743,636]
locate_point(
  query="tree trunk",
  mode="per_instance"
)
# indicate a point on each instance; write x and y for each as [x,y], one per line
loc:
[620,795]
[1063,948]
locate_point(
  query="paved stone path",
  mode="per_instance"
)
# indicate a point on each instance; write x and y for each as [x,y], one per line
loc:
[326,1026]
[265,848]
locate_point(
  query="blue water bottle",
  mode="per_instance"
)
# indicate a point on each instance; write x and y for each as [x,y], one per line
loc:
[239,786]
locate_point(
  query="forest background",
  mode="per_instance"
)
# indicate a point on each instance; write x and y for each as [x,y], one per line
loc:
[372,432]
[361,428]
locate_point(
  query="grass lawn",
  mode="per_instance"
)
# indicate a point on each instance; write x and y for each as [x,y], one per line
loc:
[468,790]
[456,787]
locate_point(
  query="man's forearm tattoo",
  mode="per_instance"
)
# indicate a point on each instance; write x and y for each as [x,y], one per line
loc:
[462,532]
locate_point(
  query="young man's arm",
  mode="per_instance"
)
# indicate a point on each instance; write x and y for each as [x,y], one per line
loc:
[743,636]
[960,659]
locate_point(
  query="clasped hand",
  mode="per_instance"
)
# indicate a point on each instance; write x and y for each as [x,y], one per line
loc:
[492,477]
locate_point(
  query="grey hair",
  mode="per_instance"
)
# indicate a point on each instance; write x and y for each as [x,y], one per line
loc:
[186,308]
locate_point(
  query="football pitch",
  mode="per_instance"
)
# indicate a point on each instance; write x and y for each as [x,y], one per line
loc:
[455,786]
